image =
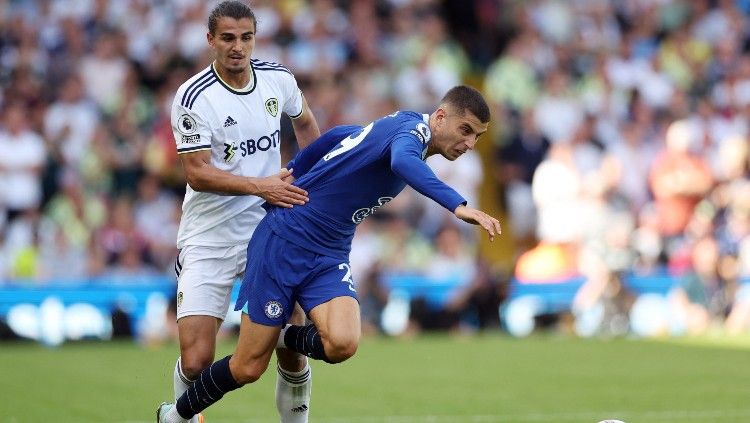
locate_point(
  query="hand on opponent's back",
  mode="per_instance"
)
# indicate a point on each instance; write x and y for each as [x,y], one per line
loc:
[279,191]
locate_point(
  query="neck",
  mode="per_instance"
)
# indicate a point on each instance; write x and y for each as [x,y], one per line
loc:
[237,80]
[431,150]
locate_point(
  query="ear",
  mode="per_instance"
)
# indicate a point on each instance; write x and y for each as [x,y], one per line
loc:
[440,115]
[210,39]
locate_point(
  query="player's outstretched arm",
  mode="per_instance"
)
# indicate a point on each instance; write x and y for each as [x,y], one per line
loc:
[478,217]
[204,177]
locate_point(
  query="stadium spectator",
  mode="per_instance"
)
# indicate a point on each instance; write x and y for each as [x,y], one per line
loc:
[700,300]
[104,71]
[120,235]
[678,180]
[156,212]
[632,156]
[516,160]
[69,124]
[24,156]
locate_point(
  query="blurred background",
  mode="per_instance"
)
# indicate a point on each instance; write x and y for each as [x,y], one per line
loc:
[617,161]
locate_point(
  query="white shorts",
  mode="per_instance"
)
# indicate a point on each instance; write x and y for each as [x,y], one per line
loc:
[205,278]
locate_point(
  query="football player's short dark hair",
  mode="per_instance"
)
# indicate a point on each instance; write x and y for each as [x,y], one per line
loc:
[230,9]
[465,98]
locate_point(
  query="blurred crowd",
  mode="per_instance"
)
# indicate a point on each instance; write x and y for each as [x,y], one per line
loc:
[623,150]
[619,140]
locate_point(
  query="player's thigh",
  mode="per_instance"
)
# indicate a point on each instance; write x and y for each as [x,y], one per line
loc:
[255,345]
[329,297]
[274,269]
[205,278]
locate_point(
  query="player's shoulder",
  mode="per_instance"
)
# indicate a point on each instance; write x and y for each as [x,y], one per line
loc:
[191,89]
[403,117]
[269,68]
[416,124]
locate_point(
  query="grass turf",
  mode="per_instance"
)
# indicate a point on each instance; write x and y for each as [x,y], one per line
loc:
[488,378]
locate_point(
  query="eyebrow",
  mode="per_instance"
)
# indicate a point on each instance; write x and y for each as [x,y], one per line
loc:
[231,34]
[479,134]
[471,128]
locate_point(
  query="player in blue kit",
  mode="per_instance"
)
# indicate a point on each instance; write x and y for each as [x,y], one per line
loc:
[302,253]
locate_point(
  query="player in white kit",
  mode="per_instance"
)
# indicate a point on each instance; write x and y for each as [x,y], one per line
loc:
[226,123]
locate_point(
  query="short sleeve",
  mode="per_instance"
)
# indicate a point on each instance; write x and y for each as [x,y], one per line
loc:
[292,96]
[191,133]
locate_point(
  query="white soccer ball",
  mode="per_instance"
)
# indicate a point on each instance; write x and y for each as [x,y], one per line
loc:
[611,421]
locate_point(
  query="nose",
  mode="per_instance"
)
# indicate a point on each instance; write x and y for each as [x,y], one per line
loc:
[470,143]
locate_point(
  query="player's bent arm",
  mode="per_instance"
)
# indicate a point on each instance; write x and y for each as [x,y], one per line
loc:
[204,177]
[305,126]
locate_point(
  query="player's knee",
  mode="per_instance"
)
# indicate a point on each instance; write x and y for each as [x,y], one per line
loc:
[249,372]
[193,365]
[341,349]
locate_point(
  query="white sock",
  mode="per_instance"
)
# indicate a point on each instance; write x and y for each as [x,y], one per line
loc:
[172,416]
[181,384]
[293,394]
[280,342]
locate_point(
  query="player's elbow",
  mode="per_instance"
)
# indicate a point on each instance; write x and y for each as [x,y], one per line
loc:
[399,166]
[196,182]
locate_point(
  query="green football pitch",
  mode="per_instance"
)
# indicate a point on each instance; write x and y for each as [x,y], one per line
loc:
[436,379]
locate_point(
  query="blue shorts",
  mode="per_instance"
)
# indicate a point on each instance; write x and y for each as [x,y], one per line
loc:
[279,272]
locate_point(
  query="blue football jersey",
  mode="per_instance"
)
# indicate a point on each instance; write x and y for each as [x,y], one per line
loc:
[350,172]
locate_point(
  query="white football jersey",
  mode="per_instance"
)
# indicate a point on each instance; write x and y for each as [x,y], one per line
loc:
[242,130]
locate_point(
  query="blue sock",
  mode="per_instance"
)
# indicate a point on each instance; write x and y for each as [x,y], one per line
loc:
[305,340]
[209,387]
